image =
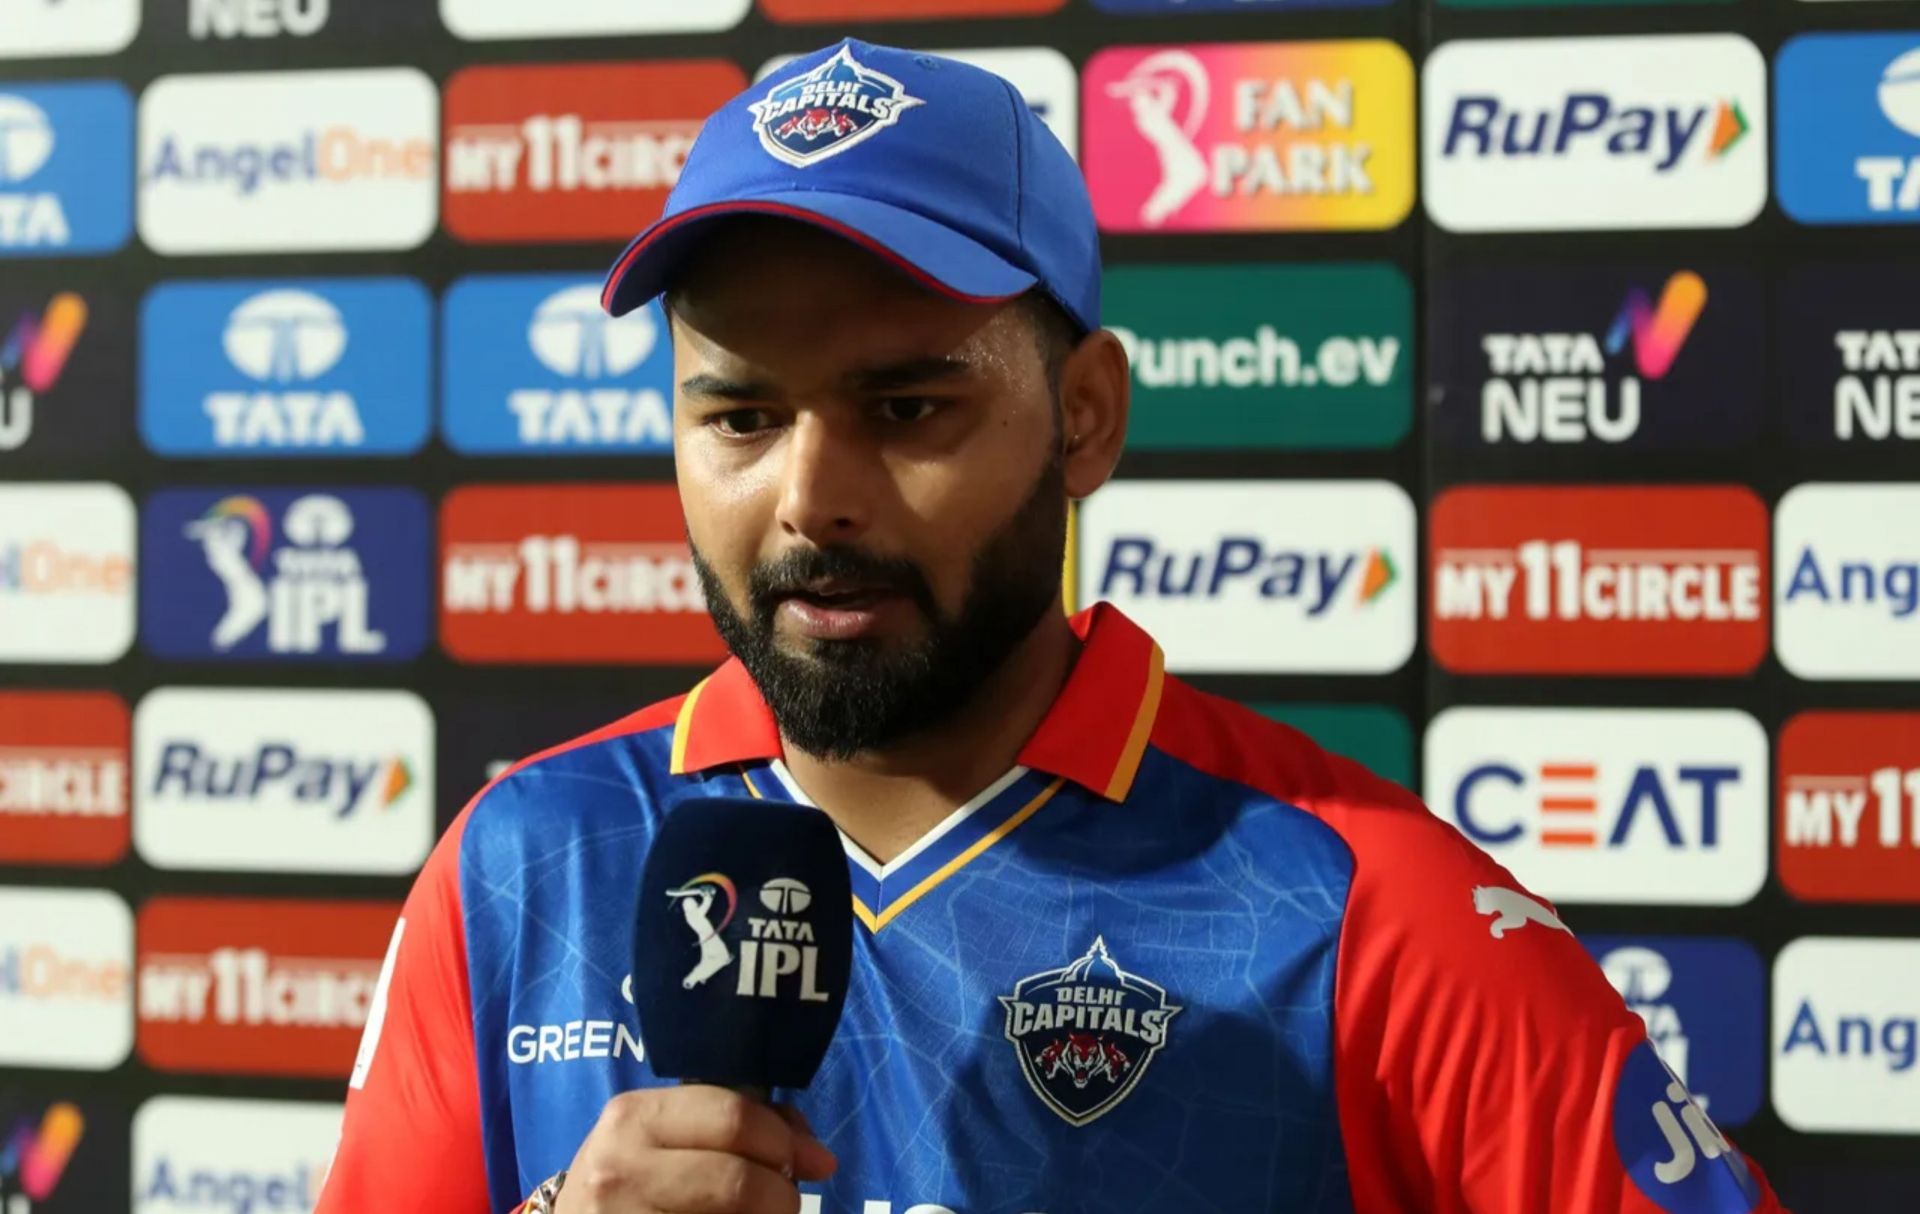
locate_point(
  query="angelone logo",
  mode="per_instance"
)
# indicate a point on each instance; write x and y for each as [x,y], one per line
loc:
[1249,137]
[287,573]
[1850,806]
[1264,356]
[197,1155]
[823,112]
[570,573]
[1085,1033]
[66,978]
[321,367]
[32,356]
[1329,592]
[66,155]
[289,161]
[491,19]
[536,366]
[1849,355]
[258,987]
[1603,579]
[284,781]
[66,572]
[1600,355]
[1849,114]
[1847,581]
[63,778]
[1608,805]
[1662,131]
[1846,1035]
[576,152]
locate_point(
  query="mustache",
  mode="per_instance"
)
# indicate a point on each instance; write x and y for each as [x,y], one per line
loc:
[789,574]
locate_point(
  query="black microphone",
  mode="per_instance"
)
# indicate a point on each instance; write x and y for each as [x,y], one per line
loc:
[743,943]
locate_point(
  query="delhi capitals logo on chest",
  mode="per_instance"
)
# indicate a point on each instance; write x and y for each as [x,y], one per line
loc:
[824,112]
[1086,1033]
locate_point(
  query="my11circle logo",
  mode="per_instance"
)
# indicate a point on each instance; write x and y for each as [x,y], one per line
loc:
[779,946]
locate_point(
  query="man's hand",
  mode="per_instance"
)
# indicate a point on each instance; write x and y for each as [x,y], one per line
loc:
[693,1150]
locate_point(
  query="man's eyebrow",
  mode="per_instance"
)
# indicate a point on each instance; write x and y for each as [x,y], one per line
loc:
[908,373]
[706,384]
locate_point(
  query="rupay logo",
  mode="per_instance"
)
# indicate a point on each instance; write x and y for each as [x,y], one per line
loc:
[1849,142]
[65,152]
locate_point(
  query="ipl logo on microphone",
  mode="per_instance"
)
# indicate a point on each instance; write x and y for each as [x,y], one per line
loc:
[777,947]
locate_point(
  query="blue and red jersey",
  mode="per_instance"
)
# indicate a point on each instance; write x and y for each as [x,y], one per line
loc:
[1179,959]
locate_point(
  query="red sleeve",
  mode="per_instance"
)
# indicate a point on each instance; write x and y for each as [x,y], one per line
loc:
[1483,1063]
[412,1138]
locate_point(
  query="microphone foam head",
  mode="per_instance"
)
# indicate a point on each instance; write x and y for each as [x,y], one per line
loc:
[743,942]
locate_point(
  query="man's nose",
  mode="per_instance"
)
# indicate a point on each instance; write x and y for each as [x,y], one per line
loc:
[830,481]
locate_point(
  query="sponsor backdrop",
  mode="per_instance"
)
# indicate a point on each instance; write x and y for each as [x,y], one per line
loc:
[1527,404]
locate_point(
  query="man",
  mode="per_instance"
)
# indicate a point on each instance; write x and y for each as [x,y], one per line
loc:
[1123,946]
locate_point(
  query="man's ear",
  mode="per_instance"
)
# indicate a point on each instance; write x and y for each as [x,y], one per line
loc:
[1096,387]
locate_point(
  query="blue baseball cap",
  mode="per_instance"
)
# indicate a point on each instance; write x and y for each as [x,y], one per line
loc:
[936,165]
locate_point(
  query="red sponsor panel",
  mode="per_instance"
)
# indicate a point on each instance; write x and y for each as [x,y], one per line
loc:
[571,573]
[1620,579]
[902,10]
[63,778]
[572,152]
[258,987]
[1849,806]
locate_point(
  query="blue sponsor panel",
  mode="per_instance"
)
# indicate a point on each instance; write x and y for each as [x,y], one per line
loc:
[1702,999]
[1849,128]
[304,368]
[66,168]
[1672,1151]
[286,574]
[535,366]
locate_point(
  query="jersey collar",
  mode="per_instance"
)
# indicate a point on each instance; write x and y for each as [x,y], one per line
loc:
[1094,734]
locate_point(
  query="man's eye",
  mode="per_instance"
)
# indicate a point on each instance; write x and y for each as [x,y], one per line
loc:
[909,408]
[741,422]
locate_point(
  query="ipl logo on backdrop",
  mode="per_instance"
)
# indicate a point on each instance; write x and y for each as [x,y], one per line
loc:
[288,574]
[294,368]
[827,110]
[65,169]
[1250,137]
[1086,1033]
[536,366]
[1849,113]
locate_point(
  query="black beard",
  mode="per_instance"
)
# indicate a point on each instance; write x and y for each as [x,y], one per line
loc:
[840,698]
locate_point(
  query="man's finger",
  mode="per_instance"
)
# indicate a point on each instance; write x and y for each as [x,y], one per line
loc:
[697,1117]
[709,1182]
[811,1158]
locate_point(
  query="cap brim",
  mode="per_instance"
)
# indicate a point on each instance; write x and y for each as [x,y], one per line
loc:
[933,253]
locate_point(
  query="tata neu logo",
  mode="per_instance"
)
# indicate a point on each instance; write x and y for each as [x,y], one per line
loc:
[574,152]
[258,987]
[63,778]
[1609,805]
[1600,580]
[284,781]
[1662,131]
[1849,355]
[66,155]
[1846,1035]
[1656,357]
[66,991]
[1847,574]
[1250,136]
[1258,575]
[570,573]
[1850,806]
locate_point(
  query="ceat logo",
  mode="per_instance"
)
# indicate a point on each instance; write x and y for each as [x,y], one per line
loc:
[1849,113]
[258,987]
[1850,806]
[536,366]
[66,572]
[261,1156]
[570,573]
[1610,579]
[289,161]
[1250,137]
[65,166]
[1846,1034]
[63,778]
[287,573]
[1608,805]
[66,990]
[1568,133]
[36,28]
[1329,591]
[1847,598]
[298,368]
[576,152]
[32,356]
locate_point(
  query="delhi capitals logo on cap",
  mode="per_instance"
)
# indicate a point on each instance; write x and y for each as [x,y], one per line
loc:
[824,112]
[1085,1033]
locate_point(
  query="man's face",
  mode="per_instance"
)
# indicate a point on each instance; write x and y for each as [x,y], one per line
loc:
[871,478]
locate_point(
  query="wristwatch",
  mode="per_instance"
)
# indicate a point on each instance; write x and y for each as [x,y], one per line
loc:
[541,1202]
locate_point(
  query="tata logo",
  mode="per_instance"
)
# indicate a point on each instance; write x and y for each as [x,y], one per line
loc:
[537,366]
[1609,805]
[316,367]
[1569,133]
[1847,596]
[1849,114]
[1846,1035]
[64,168]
